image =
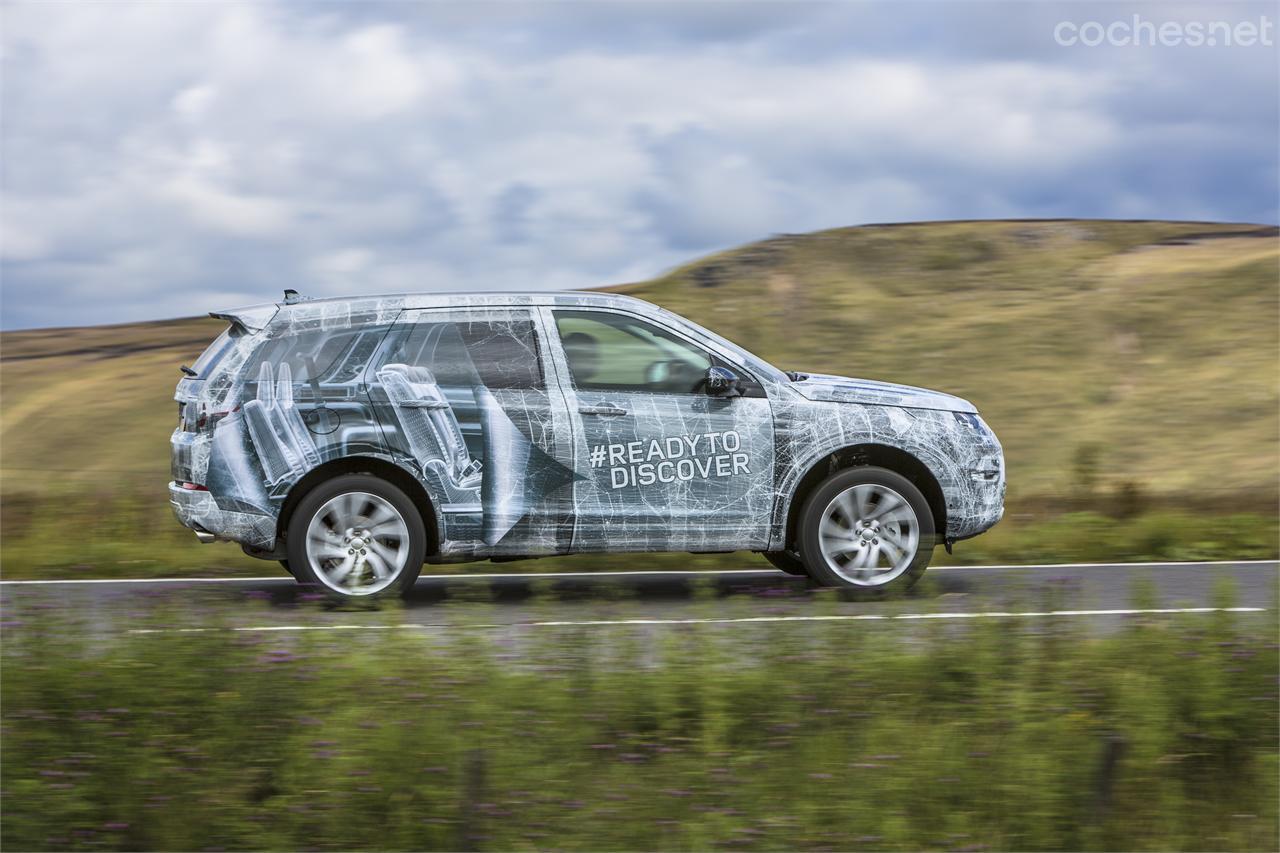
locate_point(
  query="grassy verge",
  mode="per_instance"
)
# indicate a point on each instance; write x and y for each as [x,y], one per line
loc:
[117,531]
[1003,735]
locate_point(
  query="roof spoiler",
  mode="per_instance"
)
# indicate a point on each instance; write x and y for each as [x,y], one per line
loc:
[253,318]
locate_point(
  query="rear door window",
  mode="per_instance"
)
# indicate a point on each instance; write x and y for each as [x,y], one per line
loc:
[461,350]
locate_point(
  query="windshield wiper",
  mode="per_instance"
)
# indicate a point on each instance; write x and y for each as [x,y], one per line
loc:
[188,371]
[796,376]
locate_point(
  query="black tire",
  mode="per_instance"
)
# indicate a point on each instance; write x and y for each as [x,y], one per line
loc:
[415,534]
[787,561]
[817,505]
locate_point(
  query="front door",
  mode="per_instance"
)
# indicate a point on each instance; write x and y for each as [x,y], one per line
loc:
[661,465]
[463,398]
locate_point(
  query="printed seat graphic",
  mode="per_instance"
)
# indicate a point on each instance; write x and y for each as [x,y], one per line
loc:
[429,423]
[290,421]
[284,445]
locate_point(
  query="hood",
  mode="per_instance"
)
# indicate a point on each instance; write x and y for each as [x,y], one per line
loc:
[842,389]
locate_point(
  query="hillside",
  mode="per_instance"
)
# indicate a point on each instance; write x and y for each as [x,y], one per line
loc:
[1150,347]
[1107,355]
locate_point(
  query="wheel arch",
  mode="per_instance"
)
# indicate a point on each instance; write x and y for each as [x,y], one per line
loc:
[880,455]
[377,467]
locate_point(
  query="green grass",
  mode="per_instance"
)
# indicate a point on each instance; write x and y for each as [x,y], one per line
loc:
[1112,358]
[996,735]
[139,538]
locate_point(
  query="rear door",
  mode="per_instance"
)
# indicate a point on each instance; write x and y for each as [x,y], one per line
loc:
[663,466]
[463,397]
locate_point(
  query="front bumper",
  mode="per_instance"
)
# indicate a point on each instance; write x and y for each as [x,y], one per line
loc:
[975,500]
[199,511]
[978,515]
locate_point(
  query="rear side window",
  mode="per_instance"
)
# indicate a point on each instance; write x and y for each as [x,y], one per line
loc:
[325,355]
[505,353]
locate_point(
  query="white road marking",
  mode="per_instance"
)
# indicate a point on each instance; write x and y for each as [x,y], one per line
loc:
[141,580]
[589,623]
[930,569]
[1165,564]
[654,573]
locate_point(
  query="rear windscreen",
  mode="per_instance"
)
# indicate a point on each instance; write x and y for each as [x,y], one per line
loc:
[210,357]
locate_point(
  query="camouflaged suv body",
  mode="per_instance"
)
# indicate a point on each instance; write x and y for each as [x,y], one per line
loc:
[516,425]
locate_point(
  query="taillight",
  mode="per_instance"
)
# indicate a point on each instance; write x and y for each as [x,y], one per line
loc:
[195,487]
[194,419]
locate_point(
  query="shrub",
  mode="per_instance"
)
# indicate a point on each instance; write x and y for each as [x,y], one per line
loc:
[1004,735]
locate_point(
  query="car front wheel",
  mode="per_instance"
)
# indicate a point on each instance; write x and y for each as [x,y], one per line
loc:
[868,530]
[357,536]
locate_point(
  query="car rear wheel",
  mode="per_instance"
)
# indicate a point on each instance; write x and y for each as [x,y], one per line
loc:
[357,536]
[868,530]
[787,561]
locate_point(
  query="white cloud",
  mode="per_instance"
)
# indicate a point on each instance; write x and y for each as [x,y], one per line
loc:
[375,75]
[20,244]
[222,210]
[343,267]
[193,102]
[212,150]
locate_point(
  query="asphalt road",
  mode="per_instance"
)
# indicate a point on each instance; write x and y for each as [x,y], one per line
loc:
[1101,595]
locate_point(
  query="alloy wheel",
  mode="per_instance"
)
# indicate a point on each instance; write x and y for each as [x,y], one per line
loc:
[869,534]
[357,543]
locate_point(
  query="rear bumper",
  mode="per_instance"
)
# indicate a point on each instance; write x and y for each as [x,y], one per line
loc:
[200,512]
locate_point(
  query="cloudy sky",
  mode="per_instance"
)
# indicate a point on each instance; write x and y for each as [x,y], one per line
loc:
[163,159]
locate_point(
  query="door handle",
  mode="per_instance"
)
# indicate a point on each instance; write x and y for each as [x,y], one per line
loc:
[607,410]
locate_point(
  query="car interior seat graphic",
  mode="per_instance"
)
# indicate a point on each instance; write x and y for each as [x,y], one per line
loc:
[429,423]
[289,419]
[285,447]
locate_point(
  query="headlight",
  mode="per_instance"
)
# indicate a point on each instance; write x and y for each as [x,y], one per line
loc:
[971,421]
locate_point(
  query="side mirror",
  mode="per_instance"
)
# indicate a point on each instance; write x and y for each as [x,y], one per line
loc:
[721,382]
